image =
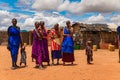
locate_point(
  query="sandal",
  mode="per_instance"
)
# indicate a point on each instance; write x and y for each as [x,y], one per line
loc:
[40,67]
[13,68]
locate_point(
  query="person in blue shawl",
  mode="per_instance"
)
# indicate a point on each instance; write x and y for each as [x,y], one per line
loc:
[14,41]
[68,44]
[118,31]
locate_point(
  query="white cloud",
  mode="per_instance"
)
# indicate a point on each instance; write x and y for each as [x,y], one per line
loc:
[64,5]
[27,21]
[5,21]
[74,7]
[24,3]
[4,13]
[5,6]
[50,19]
[100,6]
[116,19]
[78,7]
[46,4]
[6,17]
[96,19]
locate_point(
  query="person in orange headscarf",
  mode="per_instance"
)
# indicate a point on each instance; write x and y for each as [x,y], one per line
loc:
[56,44]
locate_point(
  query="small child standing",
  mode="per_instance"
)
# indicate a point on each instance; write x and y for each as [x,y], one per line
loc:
[89,52]
[23,55]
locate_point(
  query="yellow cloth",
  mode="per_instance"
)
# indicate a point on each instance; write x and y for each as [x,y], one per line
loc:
[57,40]
[94,47]
[111,47]
[25,44]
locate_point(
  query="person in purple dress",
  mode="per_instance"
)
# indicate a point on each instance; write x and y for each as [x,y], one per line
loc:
[45,43]
[37,46]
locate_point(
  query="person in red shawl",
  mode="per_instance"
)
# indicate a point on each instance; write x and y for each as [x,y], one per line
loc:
[55,44]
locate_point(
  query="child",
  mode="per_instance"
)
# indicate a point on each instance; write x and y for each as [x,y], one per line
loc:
[89,52]
[23,55]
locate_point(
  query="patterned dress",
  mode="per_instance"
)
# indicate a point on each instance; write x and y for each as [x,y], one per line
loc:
[55,46]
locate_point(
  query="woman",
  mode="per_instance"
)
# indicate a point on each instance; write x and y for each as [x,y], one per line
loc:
[55,44]
[14,41]
[68,44]
[118,31]
[37,46]
[45,43]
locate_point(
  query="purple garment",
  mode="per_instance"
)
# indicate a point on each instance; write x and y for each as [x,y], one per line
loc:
[37,48]
[45,43]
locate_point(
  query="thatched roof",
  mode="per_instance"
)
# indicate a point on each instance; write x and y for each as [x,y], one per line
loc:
[96,27]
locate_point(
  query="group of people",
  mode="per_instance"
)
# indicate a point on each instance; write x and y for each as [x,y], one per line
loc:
[60,48]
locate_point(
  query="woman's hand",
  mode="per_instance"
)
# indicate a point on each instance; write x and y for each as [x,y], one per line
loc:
[45,37]
[68,34]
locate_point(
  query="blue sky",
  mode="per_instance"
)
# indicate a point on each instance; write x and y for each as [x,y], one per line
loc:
[58,11]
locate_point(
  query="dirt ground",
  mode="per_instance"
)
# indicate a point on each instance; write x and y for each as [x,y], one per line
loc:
[105,67]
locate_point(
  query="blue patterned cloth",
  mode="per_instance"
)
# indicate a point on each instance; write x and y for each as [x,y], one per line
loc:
[118,30]
[14,41]
[67,44]
[56,54]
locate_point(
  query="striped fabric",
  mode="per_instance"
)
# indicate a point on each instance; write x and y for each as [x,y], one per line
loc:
[54,45]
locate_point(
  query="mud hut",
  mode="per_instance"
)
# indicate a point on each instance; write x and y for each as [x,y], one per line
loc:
[100,34]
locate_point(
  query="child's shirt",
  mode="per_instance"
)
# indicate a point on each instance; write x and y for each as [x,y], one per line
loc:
[88,50]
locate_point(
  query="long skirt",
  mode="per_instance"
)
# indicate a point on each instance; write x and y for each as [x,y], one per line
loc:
[38,59]
[14,52]
[67,57]
[46,52]
[56,54]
